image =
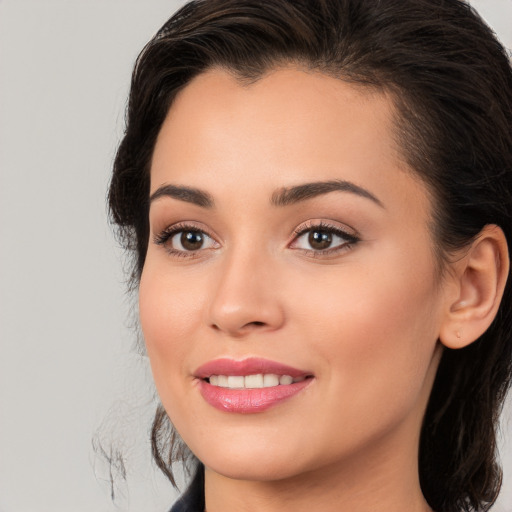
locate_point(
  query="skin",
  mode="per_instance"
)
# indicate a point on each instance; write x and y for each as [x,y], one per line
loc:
[364,319]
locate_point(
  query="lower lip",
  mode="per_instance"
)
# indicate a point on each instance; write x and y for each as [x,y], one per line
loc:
[247,401]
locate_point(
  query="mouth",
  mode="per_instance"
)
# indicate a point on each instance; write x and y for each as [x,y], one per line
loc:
[254,381]
[251,385]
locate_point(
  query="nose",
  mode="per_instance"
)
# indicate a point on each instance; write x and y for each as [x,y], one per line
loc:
[246,298]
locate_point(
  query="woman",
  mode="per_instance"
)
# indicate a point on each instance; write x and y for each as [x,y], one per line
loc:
[318,196]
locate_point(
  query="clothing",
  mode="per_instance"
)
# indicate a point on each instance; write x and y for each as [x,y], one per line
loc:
[193,498]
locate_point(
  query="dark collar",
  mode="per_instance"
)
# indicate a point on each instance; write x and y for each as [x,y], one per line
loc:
[193,498]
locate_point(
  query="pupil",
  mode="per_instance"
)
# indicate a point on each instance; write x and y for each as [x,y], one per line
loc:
[320,239]
[191,240]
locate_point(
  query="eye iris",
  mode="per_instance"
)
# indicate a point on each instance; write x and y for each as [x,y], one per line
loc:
[191,240]
[320,239]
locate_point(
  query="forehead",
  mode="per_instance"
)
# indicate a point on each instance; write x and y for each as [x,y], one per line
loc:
[290,126]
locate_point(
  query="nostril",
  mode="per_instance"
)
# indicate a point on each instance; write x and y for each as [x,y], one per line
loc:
[254,324]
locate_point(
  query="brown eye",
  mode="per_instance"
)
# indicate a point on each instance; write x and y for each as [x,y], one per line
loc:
[319,240]
[181,241]
[191,240]
[323,240]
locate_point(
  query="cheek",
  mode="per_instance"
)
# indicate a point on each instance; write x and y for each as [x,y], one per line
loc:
[376,330]
[169,315]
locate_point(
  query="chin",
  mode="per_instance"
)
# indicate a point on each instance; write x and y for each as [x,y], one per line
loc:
[252,463]
[255,470]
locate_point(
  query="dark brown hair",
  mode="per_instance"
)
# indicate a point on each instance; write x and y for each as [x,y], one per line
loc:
[451,82]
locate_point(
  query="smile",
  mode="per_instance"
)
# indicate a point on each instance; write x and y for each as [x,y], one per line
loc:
[255,381]
[249,386]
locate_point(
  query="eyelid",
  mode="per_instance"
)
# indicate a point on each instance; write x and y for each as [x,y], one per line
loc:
[341,230]
[328,225]
[163,236]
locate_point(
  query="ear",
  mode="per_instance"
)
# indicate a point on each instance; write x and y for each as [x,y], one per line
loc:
[479,279]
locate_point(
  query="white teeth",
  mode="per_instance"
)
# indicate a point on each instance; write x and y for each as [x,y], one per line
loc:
[255,381]
[270,380]
[285,380]
[235,381]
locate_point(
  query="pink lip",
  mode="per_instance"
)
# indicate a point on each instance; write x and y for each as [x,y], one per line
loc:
[247,401]
[249,366]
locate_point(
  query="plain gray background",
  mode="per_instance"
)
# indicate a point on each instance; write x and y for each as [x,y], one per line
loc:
[68,364]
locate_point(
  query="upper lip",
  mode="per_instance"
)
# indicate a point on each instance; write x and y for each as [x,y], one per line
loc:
[249,366]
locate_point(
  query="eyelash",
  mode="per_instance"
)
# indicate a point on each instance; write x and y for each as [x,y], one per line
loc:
[164,236]
[167,234]
[312,226]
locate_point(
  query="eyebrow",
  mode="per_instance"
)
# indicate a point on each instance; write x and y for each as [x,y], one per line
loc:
[182,193]
[292,195]
[282,197]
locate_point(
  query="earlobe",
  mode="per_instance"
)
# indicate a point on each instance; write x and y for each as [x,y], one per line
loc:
[480,277]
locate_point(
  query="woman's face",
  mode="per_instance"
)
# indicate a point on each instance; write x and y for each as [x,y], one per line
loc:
[289,240]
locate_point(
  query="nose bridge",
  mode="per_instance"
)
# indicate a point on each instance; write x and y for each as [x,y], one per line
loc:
[245,298]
